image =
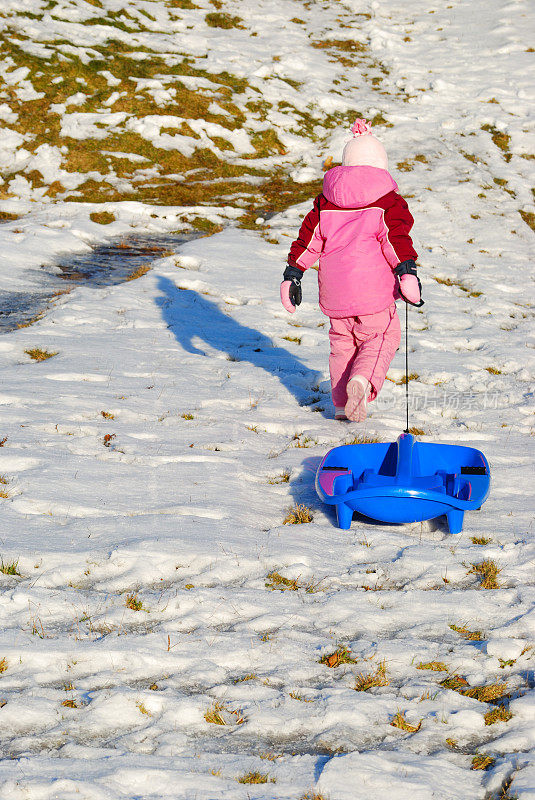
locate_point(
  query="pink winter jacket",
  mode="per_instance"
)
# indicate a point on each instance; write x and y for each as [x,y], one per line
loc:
[359,228]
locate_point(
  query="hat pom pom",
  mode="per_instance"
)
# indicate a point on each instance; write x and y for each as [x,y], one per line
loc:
[360,127]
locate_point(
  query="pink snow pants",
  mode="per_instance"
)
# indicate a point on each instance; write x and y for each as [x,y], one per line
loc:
[362,346]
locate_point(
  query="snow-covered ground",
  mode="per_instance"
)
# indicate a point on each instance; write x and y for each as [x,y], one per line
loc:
[149,464]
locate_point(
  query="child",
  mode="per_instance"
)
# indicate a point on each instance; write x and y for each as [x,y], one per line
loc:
[359,228]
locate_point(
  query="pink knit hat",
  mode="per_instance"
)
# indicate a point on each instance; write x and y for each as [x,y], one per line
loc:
[364,150]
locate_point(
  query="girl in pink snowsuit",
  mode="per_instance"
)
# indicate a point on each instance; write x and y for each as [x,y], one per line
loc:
[359,229]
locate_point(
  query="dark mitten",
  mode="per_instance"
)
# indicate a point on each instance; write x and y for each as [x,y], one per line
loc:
[292,286]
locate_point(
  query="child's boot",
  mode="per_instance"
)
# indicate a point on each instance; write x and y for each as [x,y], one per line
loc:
[358,389]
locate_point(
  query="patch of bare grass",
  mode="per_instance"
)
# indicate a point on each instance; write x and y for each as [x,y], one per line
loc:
[301,441]
[139,272]
[255,777]
[413,376]
[206,226]
[133,602]
[284,477]
[434,666]
[528,217]
[363,438]
[482,761]
[220,714]
[300,697]
[470,157]
[31,321]
[499,714]
[408,164]
[313,796]
[37,354]
[473,636]
[347,52]
[340,656]
[458,284]
[400,722]
[380,119]
[218,19]
[298,515]
[455,682]
[365,682]
[250,676]
[102,217]
[500,139]
[9,567]
[276,581]
[487,571]
[489,693]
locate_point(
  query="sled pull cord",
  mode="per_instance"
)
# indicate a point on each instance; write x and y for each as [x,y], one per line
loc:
[407,365]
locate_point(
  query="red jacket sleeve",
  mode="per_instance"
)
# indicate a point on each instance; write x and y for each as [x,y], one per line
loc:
[394,234]
[307,248]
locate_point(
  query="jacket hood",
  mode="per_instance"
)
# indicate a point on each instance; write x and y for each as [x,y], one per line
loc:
[356,187]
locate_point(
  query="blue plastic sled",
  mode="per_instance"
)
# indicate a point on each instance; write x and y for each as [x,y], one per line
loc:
[404,481]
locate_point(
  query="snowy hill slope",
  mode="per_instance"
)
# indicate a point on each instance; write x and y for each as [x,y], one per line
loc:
[165,634]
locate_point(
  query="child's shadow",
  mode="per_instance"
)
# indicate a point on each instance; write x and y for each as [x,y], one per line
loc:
[189,314]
